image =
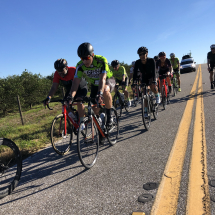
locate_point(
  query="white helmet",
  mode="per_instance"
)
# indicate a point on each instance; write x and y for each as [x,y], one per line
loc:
[212,46]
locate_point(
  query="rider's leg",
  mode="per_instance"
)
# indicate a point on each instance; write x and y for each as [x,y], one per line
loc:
[169,84]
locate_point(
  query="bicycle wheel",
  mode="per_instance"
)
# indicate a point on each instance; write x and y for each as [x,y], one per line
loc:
[136,96]
[164,99]
[154,107]
[10,166]
[147,119]
[88,143]
[175,88]
[117,105]
[113,132]
[61,142]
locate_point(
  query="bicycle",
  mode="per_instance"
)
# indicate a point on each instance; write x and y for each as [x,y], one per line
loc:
[88,138]
[136,93]
[119,101]
[63,127]
[175,84]
[10,166]
[164,91]
[152,107]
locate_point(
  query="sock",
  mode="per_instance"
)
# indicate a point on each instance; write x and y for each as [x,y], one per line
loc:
[145,109]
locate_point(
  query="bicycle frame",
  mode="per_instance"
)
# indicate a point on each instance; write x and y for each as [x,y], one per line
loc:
[163,83]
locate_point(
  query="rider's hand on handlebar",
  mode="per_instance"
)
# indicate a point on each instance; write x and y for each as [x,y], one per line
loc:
[46,101]
[69,99]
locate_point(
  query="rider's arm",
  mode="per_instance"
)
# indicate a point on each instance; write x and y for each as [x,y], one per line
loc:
[102,81]
[208,62]
[75,85]
[135,73]
[53,89]
[153,69]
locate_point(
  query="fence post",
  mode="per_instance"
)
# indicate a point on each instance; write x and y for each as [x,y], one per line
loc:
[20,111]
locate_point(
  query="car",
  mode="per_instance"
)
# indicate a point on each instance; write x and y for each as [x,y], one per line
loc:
[187,65]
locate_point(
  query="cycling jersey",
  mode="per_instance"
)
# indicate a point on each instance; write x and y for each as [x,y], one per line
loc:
[91,73]
[147,70]
[165,68]
[119,74]
[68,78]
[174,62]
[211,57]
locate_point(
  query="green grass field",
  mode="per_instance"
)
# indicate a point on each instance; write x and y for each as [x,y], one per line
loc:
[35,134]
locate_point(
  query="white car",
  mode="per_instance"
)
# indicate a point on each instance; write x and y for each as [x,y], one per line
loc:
[187,65]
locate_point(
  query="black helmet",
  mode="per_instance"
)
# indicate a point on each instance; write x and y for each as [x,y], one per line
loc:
[172,55]
[85,49]
[162,54]
[142,49]
[156,57]
[114,63]
[212,46]
[59,64]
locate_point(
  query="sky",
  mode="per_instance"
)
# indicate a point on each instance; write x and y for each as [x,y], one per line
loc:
[33,34]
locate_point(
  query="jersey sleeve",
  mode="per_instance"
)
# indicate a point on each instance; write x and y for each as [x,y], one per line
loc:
[208,55]
[79,71]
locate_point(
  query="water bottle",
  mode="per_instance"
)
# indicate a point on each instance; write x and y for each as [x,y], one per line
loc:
[73,116]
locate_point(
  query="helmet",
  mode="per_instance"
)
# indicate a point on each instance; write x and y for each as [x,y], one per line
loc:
[162,54]
[142,49]
[114,63]
[85,49]
[59,64]
[212,46]
[133,63]
[156,57]
[172,55]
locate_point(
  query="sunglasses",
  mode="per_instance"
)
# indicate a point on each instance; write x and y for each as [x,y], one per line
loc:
[85,58]
[142,54]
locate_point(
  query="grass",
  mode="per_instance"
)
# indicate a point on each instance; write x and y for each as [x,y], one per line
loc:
[35,133]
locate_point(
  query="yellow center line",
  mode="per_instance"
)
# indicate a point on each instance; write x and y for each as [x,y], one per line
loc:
[198,201]
[167,196]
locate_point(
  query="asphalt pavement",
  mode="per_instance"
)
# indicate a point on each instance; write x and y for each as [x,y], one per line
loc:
[54,184]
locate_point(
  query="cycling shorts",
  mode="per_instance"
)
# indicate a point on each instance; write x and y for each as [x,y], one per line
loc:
[212,67]
[81,92]
[176,71]
[125,83]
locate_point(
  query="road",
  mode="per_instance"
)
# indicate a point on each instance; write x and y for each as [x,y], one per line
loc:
[177,154]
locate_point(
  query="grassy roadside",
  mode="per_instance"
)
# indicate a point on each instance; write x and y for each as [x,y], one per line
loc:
[35,134]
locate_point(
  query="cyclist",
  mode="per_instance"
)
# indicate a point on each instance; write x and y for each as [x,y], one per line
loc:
[146,67]
[121,78]
[164,66]
[211,64]
[156,58]
[131,71]
[66,74]
[176,68]
[96,71]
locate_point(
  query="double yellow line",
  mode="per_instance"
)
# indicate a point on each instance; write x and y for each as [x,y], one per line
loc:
[198,201]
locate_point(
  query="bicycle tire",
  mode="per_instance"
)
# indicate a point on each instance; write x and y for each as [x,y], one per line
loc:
[88,142]
[10,171]
[175,87]
[118,107]
[164,101]
[113,133]
[136,98]
[61,143]
[146,120]
[154,108]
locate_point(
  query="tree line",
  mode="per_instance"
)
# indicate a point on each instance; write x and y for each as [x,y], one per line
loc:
[31,88]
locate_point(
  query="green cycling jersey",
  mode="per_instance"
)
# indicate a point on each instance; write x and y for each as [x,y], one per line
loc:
[91,73]
[119,74]
[174,62]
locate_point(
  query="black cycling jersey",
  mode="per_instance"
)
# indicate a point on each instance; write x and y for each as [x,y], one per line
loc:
[163,69]
[147,70]
[211,57]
